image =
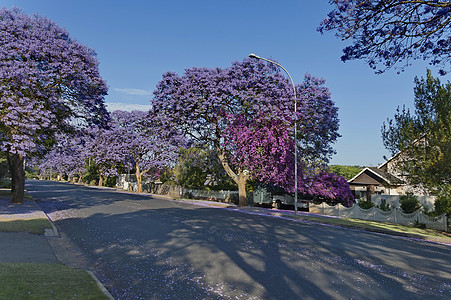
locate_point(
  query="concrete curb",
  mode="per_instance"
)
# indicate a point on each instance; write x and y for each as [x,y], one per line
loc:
[51,232]
[100,285]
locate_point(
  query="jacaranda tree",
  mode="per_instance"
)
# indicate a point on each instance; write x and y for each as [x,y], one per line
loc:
[329,187]
[143,147]
[49,83]
[390,31]
[66,158]
[221,108]
[105,148]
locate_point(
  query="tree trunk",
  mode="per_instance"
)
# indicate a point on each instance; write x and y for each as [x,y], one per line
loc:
[100,180]
[17,177]
[242,197]
[240,178]
[139,179]
[369,192]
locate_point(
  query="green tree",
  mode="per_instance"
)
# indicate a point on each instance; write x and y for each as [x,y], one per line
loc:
[424,137]
[345,171]
[201,169]
[409,203]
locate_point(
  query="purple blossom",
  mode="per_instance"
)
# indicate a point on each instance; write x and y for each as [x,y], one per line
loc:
[245,112]
[142,147]
[49,84]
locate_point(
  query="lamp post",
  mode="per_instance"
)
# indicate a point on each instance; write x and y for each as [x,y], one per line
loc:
[252,55]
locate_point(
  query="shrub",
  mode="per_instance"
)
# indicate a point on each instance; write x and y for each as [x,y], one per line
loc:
[110,181]
[409,203]
[443,205]
[365,204]
[384,205]
[5,183]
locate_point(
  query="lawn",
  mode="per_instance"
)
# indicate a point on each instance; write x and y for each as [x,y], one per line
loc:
[33,225]
[27,217]
[46,281]
[389,228]
[38,281]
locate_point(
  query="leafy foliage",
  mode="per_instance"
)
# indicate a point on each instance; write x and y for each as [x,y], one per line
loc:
[365,204]
[47,82]
[347,172]
[443,205]
[391,31]
[129,143]
[105,148]
[141,147]
[201,169]
[384,205]
[424,137]
[409,203]
[262,147]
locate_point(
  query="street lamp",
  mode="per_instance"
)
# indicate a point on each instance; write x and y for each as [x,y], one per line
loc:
[252,55]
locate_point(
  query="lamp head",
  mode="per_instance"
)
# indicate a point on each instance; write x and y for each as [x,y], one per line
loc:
[252,55]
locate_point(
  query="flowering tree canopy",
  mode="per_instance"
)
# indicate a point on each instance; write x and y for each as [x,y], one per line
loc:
[49,83]
[106,148]
[329,186]
[231,109]
[142,146]
[67,157]
[264,148]
[391,31]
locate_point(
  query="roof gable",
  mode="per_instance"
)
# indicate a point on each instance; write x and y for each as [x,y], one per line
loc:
[373,175]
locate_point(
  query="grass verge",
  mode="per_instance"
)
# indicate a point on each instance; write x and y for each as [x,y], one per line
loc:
[46,281]
[389,228]
[6,193]
[33,225]
[27,217]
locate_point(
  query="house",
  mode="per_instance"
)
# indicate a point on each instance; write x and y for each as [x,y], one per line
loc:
[386,182]
[373,180]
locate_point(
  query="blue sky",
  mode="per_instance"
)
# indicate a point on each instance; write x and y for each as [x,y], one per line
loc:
[137,41]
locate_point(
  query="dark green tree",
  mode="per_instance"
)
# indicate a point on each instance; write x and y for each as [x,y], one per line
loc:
[201,169]
[345,171]
[423,138]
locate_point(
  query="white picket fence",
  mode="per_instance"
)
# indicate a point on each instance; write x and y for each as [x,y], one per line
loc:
[128,182]
[395,215]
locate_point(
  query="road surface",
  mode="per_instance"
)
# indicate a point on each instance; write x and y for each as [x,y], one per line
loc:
[143,247]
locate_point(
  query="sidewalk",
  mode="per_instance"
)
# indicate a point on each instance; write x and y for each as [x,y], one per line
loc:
[23,232]
[28,236]
[21,247]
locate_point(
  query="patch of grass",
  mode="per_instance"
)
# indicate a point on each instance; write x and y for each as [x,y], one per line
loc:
[35,226]
[427,234]
[6,193]
[46,281]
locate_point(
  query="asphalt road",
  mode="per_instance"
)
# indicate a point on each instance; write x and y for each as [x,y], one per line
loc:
[150,248]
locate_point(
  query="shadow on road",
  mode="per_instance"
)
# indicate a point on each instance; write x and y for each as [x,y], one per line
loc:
[153,248]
